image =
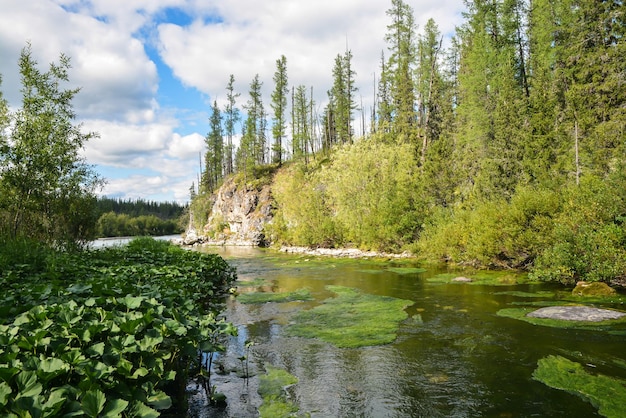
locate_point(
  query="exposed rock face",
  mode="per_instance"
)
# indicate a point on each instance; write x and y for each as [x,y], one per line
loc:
[239,216]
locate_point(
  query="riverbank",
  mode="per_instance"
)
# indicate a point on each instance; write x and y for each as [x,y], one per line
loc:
[343,252]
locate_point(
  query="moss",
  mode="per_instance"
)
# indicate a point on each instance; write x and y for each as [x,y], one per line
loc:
[272,387]
[274,382]
[521,294]
[407,270]
[352,319]
[492,278]
[604,392]
[593,289]
[264,297]
[521,314]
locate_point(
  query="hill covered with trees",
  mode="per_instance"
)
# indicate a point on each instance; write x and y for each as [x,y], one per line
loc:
[505,149]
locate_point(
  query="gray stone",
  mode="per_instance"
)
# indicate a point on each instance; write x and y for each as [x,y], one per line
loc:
[576,313]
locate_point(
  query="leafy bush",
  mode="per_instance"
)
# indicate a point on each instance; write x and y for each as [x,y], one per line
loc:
[589,240]
[303,216]
[373,190]
[497,234]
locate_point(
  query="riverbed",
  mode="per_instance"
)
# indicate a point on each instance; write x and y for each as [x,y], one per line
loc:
[453,355]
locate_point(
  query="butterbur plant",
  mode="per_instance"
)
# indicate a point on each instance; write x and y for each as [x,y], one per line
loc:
[117,341]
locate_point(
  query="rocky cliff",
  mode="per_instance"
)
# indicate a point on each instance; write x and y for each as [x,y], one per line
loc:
[238,216]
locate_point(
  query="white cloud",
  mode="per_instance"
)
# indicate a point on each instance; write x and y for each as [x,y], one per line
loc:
[186,147]
[107,41]
[253,34]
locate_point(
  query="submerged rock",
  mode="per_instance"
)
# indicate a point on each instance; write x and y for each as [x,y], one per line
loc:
[462,279]
[576,313]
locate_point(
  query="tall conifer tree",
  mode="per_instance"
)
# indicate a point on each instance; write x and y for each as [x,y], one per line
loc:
[279,106]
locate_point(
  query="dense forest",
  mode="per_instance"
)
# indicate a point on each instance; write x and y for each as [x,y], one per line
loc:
[504,149]
[118,217]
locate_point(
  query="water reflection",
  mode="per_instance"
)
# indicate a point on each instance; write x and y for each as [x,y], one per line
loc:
[453,357]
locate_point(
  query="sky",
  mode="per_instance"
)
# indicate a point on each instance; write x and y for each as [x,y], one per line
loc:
[149,70]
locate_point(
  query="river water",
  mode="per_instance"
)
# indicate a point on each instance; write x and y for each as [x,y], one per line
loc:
[454,357]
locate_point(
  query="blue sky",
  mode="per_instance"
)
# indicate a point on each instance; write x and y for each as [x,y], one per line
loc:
[150,69]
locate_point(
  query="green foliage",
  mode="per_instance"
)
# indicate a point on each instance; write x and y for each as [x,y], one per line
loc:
[351,319]
[47,188]
[589,238]
[373,191]
[303,217]
[107,332]
[111,224]
[604,392]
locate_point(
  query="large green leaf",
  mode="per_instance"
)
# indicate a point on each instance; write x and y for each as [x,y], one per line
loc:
[141,410]
[27,384]
[95,350]
[93,403]
[114,408]
[133,302]
[55,400]
[5,391]
[160,400]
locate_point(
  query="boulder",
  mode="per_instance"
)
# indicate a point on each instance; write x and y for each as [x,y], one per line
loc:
[576,313]
[593,289]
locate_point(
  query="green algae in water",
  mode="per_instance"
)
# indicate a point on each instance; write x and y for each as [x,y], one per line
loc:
[521,294]
[407,270]
[613,325]
[604,392]
[272,388]
[491,278]
[258,282]
[264,297]
[352,319]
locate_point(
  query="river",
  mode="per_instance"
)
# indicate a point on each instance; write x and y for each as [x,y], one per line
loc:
[454,357]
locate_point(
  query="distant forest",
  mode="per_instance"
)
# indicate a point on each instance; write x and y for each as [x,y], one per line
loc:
[118,217]
[140,207]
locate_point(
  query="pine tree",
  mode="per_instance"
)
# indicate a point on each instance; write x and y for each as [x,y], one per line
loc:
[252,149]
[591,62]
[232,116]
[430,86]
[279,106]
[341,99]
[214,156]
[401,41]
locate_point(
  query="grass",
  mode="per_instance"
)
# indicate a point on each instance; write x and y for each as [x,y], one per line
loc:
[604,392]
[264,297]
[352,319]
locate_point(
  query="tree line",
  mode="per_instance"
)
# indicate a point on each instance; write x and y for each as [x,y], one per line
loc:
[505,148]
[139,217]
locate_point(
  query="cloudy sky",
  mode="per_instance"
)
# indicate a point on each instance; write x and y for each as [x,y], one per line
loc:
[150,69]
